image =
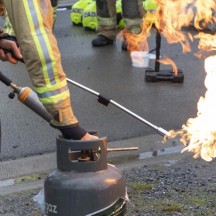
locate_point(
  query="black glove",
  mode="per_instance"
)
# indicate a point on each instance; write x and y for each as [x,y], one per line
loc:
[71,131]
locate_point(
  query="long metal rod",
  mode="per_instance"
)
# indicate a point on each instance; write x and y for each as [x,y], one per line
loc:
[103,100]
[159,130]
[83,87]
[122,149]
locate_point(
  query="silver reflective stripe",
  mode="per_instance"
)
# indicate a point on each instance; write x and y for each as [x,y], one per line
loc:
[107,21]
[132,22]
[52,93]
[43,45]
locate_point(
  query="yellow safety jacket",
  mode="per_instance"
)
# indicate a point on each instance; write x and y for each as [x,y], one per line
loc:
[32,22]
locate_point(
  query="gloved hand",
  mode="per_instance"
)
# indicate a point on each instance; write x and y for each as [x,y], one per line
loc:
[74,132]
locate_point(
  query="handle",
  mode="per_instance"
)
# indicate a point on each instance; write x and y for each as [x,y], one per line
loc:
[13,55]
[31,100]
[158,47]
[66,163]
[122,149]
[4,79]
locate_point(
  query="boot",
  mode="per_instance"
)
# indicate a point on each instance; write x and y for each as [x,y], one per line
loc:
[101,40]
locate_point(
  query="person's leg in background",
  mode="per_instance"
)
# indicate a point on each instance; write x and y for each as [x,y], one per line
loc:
[107,22]
[132,12]
[54,4]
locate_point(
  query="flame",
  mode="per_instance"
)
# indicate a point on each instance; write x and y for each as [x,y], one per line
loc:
[184,13]
[170,23]
[198,13]
[168,61]
[137,42]
[199,134]
[204,12]
[207,41]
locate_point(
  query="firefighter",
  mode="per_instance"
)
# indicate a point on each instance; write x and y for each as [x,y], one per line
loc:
[132,12]
[32,23]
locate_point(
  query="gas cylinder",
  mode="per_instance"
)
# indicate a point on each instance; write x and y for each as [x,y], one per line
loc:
[83,182]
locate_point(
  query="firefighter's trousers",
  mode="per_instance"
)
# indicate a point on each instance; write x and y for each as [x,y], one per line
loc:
[132,12]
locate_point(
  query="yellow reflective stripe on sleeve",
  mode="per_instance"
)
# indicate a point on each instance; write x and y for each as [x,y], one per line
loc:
[54,93]
[42,41]
[36,40]
[56,99]
[50,62]
[48,94]
[55,87]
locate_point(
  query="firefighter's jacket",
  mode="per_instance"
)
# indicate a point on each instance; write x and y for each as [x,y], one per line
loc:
[32,22]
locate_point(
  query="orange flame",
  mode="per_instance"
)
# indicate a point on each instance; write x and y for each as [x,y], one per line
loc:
[198,134]
[204,12]
[207,41]
[168,61]
[171,17]
[138,42]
